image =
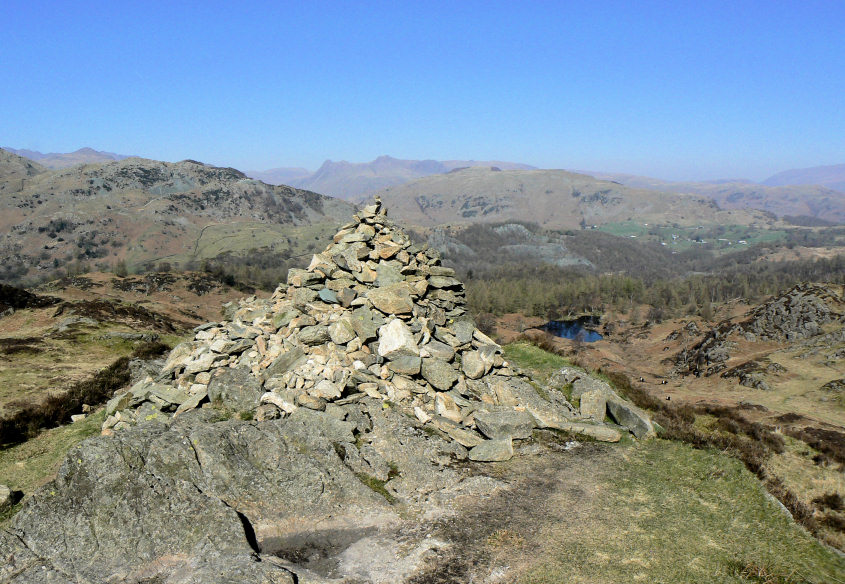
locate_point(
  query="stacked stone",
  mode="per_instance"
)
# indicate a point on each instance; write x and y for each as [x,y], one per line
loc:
[373,316]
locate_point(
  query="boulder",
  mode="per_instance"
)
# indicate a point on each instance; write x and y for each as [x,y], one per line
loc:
[438,373]
[506,423]
[392,299]
[396,339]
[190,502]
[492,451]
[594,404]
[586,383]
[236,389]
[630,416]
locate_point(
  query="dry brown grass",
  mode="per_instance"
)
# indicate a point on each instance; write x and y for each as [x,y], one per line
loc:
[57,408]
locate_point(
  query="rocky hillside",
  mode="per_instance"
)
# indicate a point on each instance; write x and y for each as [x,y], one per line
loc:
[306,437]
[15,171]
[144,211]
[550,198]
[356,181]
[804,312]
[818,200]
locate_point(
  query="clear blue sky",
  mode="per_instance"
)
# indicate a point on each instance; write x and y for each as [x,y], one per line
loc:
[681,89]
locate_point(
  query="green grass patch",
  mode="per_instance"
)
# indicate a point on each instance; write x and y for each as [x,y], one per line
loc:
[720,238]
[376,485]
[541,363]
[671,513]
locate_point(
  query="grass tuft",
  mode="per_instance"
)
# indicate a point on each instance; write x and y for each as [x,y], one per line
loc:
[377,486]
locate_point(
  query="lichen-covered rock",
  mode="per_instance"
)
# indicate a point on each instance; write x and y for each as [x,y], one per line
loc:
[235,388]
[439,373]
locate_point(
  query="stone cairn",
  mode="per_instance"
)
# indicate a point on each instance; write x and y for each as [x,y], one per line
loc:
[373,316]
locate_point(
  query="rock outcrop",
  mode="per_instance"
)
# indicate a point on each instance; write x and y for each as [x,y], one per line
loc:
[797,314]
[297,428]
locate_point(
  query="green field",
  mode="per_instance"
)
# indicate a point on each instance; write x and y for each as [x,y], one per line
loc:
[724,238]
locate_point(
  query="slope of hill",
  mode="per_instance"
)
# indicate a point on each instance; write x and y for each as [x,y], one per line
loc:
[68,329]
[56,160]
[554,199]
[792,199]
[355,181]
[15,171]
[832,177]
[143,211]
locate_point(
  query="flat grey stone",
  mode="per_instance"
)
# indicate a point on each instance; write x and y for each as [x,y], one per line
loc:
[405,364]
[392,299]
[439,350]
[285,362]
[505,424]
[364,324]
[492,451]
[439,373]
[328,296]
[314,335]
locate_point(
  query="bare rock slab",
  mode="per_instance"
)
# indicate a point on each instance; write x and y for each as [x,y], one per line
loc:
[505,424]
[630,416]
[492,451]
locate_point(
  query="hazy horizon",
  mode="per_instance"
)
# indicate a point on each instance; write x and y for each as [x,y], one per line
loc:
[669,90]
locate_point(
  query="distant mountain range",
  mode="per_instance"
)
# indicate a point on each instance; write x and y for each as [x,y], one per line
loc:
[146,211]
[796,200]
[811,192]
[356,181]
[832,177]
[56,160]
